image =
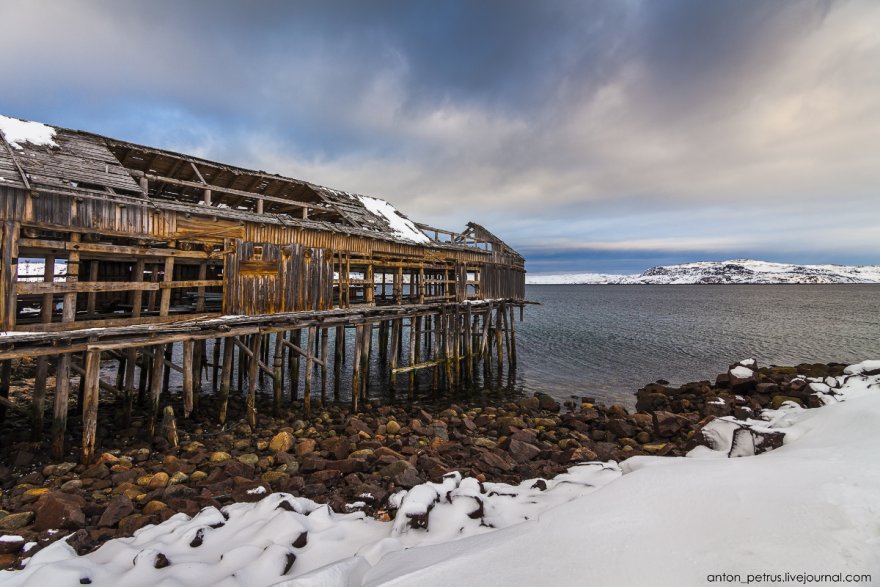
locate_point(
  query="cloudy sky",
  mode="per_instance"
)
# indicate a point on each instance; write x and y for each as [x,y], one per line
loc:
[603,136]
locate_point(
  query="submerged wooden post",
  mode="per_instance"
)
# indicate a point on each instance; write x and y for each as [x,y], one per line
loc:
[356,367]
[226,376]
[324,348]
[62,370]
[307,388]
[435,376]
[365,358]
[469,345]
[339,341]
[253,368]
[498,336]
[412,356]
[187,378]
[395,340]
[277,370]
[90,404]
[293,363]
[503,311]
[512,337]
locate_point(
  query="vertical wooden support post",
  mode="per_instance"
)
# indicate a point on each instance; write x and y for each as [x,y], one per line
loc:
[435,379]
[395,341]
[356,367]
[5,376]
[418,344]
[157,372]
[339,341]
[216,365]
[9,275]
[62,370]
[165,303]
[504,320]
[253,369]
[187,377]
[412,357]
[277,374]
[499,337]
[200,348]
[421,285]
[151,296]
[398,286]
[307,387]
[92,296]
[293,364]
[324,348]
[469,345]
[512,329]
[365,357]
[259,206]
[456,349]
[90,404]
[369,286]
[131,354]
[168,355]
[383,338]
[226,376]
[39,401]
[447,350]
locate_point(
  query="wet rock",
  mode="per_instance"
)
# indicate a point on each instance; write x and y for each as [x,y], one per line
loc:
[158,481]
[392,427]
[219,457]
[249,459]
[547,403]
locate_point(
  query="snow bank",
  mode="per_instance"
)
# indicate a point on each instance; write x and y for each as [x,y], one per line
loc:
[809,506]
[401,227]
[18,131]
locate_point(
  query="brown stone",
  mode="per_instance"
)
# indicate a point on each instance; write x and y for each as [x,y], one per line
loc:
[58,510]
[305,446]
[119,507]
[281,442]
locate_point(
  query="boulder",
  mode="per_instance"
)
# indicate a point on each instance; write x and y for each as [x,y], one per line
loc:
[522,452]
[667,424]
[119,507]
[58,510]
[282,442]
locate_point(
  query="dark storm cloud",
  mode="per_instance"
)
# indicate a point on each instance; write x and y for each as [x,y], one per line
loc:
[593,128]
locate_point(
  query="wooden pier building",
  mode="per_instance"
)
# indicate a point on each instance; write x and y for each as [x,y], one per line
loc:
[158,261]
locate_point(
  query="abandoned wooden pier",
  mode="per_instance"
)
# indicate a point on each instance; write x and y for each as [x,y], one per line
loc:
[151,261]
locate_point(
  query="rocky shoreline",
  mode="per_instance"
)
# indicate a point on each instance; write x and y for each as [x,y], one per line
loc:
[359,461]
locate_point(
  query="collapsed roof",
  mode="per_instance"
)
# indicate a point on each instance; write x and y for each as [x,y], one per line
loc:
[40,157]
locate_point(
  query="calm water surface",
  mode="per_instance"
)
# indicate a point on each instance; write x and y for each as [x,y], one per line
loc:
[608,340]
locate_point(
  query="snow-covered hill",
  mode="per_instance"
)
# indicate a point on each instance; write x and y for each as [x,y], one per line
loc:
[720,272]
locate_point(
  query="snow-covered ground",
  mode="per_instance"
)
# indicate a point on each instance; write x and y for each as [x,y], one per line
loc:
[719,272]
[811,506]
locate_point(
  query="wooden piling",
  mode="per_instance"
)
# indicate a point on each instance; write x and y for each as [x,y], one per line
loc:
[356,367]
[90,404]
[307,387]
[226,377]
[187,377]
[157,371]
[253,369]
[277,370]
[338,344]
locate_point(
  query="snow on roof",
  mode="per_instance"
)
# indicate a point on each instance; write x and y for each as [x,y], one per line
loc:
[19,131]
[402,227]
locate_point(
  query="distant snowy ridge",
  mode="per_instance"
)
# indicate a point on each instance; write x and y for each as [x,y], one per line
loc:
[737,271]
